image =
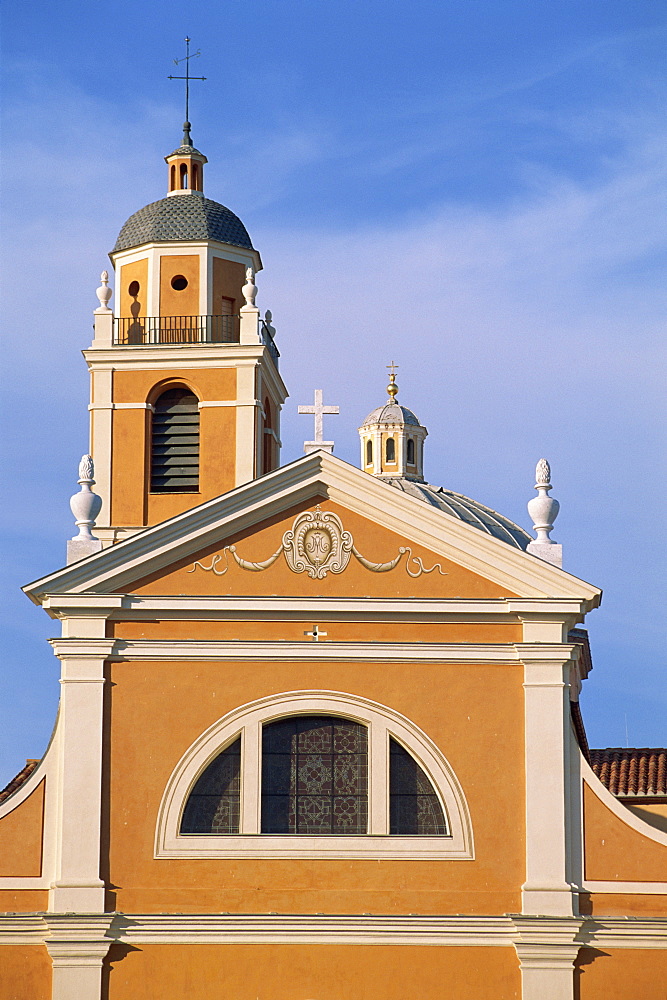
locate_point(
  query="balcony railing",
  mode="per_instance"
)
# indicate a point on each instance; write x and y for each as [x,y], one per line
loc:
[176,330]
[269,342]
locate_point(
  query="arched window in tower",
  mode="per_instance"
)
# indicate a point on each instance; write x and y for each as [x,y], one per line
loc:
[314,776]
[195,176]
[390,450]
[369,452]
[411,451]
[184,177]
[267,439]
[414,807]
[175,442]
[172,175]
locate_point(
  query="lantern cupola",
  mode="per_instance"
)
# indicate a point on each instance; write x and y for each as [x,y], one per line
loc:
[186,167]
[392,440]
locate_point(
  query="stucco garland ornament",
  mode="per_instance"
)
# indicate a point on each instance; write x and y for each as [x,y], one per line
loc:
[317,544]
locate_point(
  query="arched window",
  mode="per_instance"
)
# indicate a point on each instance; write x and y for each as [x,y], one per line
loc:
[184,176]
[195,176]
[390,450]
[313,774]
[411,452]
[369,452]
[175,442]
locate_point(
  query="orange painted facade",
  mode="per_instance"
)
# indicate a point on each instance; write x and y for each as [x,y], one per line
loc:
[311,591]
[21,835]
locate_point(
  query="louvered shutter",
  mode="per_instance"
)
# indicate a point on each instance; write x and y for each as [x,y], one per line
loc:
[175,443]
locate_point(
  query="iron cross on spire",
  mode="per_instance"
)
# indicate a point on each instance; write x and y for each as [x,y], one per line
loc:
[318,410]
[186,59]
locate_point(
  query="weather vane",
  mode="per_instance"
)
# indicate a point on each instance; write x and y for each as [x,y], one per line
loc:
[186,59]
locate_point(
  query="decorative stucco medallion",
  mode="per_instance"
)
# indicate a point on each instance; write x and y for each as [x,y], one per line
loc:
[317,544]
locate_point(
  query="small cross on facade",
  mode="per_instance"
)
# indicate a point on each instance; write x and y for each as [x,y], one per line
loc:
[316,633]
[318,410]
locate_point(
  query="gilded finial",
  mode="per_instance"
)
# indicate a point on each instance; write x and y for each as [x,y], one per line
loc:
[392,388]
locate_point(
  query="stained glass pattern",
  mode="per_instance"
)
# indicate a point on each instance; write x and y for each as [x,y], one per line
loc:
[414,808]
[314,776]
[214,803]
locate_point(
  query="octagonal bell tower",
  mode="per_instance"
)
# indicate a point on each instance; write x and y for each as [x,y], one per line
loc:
[185,388]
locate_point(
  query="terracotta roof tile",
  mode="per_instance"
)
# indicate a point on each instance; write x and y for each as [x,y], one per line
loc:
[17,781]
[631,773]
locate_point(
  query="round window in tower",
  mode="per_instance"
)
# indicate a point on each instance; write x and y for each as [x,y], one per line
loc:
[133,289]
[179,283]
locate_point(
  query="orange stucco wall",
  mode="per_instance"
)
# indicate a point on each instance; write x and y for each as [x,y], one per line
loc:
[23,900]
[616,852]
[477,721]
[375,542]
[228,279]
[294,631]
[313,972]
[621,974]
[185,302]
[25,972]
[654,813]
[133,305]
[131,502]
[619,904]
[21,836]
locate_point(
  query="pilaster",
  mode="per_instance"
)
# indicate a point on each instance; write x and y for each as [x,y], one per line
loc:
[77,946]
[77,886]
[547,889]
[547,950]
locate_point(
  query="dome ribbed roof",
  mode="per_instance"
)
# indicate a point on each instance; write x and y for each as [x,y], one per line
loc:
[391,413]
[182,217]
[465,509]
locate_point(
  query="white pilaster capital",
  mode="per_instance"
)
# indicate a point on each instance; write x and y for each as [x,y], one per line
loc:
[78,939]
[547,942]
[82,648]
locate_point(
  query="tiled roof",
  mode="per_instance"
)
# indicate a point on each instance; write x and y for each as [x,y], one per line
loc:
[628,772]
[17,781]
[182,217]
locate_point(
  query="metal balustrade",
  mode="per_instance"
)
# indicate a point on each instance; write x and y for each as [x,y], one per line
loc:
[130,330]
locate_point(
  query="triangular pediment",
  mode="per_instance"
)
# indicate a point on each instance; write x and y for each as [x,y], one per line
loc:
[316,527]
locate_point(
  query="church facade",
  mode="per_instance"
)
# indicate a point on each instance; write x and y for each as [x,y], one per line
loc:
[319,734]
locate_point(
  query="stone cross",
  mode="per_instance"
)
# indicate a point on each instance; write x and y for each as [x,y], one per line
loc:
[318,410]
[316,633]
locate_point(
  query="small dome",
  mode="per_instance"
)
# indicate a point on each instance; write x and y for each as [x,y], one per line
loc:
[465,509]
[181,218]
[391,413]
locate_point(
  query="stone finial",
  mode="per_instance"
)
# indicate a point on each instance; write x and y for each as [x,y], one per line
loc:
[249,289]
[85,505]
[543,511]
[104,293]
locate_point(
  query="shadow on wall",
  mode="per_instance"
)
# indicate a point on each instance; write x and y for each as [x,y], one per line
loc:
[585,957]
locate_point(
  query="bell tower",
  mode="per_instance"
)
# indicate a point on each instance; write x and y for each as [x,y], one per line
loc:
[185,387]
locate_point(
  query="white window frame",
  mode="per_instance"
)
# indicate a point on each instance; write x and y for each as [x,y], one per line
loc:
[381,722]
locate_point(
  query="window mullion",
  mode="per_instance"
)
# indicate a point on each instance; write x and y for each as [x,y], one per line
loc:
[378,778]
[251,778]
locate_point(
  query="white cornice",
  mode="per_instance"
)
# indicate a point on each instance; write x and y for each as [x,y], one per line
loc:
[173,540]
[292,608]
[445,931]
[426,652]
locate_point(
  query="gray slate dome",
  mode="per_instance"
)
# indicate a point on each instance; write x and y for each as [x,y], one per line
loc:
[470,511]
[391,413]
[182,217]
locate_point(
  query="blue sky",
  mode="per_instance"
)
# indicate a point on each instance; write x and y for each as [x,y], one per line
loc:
[475,189]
